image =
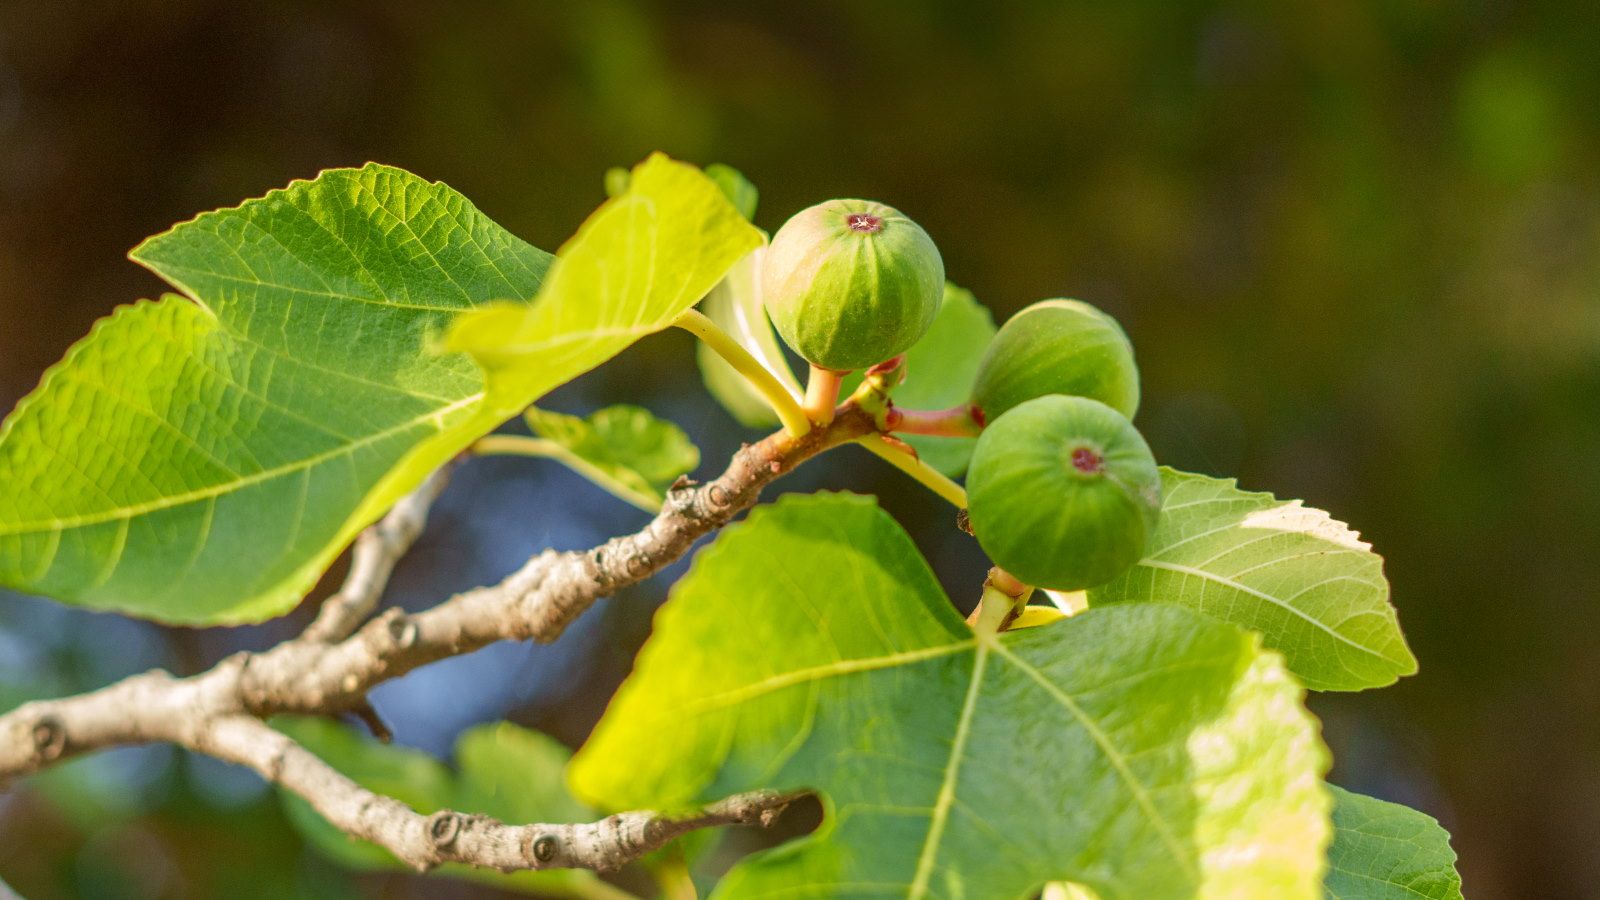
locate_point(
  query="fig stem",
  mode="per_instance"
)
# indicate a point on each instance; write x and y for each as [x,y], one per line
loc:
[790,413]
[519,445]
[930,477]
[1014,587]
[822,394]
[1004,598]
[995,607]
[957,421]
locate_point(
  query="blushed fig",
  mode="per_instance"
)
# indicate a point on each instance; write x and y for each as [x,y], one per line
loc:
[1058,347]
[851,283]
[1063,492]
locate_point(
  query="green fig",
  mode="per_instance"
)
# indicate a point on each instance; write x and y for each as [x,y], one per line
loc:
[1058,347]
[1063,492]
[851,283]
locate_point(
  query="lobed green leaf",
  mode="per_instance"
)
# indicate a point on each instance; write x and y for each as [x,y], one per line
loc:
[203,459]
[1385,851]
[1307,582]
[1144,751]
[204,462]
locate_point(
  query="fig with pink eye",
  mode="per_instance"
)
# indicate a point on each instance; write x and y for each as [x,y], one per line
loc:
[1063,492]
[851,283]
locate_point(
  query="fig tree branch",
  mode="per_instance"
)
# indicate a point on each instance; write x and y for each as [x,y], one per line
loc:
[219,711]
[447,836]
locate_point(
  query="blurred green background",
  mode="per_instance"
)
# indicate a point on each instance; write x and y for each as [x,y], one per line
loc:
[1357,246]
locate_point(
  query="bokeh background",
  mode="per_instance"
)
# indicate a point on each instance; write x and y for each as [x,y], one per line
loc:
[1357,246]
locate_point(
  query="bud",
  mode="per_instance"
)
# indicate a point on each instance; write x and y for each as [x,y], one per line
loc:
[851,283]
[1058,347]
[1063,492]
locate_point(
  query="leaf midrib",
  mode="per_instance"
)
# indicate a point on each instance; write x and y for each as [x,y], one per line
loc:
[1113,755]
[947,794]
[217,490]
[818,673]
[1291,608]
[952,770]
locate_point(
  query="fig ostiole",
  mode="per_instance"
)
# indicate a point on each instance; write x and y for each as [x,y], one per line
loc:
[1058,347]
[1063,492]
[850,283]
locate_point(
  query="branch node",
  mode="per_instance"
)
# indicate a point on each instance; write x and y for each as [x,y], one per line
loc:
[401,629]
[49,738]
[443,828]
[542,847]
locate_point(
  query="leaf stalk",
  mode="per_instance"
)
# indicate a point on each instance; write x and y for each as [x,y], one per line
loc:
[788,409]
[519,445]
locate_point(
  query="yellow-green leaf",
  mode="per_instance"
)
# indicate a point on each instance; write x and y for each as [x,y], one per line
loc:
[644,258]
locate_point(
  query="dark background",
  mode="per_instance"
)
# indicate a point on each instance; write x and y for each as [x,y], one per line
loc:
[1356,245]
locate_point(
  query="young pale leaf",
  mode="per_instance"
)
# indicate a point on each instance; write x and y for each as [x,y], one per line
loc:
[1385,851]
[940,370]
[644,258]
[503,771]
[1312,588]
[735,306]
[203,459]
[624,449]
[737,188]
[1144,751]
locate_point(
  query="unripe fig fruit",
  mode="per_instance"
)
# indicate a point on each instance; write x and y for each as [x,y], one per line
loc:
[1058,347]
[1063,492]
[851,283]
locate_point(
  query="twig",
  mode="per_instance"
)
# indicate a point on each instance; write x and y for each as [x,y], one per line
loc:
[219,712]
[447,836]
[536,602]
[372,561]
[368,715]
